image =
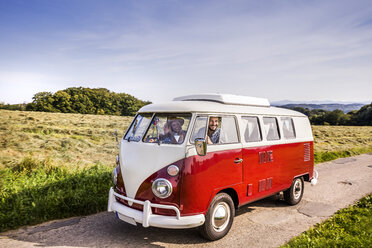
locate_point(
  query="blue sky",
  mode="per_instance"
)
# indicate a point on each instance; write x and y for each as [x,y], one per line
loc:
[157,50]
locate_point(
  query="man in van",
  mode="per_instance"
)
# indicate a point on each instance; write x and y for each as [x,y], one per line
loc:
[214,132]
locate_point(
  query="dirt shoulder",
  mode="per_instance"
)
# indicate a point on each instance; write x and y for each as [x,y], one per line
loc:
[267,223]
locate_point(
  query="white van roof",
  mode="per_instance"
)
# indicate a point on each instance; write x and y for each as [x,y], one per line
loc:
[219,103]
[227,99]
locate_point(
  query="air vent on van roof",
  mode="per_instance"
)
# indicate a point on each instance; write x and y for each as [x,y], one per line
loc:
[227,99]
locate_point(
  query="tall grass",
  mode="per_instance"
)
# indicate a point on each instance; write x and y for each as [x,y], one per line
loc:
[35,191]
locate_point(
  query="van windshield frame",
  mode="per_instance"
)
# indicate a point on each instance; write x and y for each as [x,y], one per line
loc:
[143,123]
[138,127]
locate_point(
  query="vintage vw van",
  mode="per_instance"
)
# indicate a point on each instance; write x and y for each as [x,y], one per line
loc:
[193,161]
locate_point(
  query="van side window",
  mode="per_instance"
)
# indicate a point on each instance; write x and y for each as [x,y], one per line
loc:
[271,128]
[252,132]
[199,128]
[217,130]
[288,128]
[229,132]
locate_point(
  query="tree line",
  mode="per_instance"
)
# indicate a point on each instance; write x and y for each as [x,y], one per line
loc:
[361,117]
[82,100]
[102,101]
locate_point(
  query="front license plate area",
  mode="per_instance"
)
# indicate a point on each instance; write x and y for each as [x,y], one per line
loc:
[127,219]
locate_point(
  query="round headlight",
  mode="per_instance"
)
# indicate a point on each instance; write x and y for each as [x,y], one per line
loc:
[173,170]
[162,188]
[114,176]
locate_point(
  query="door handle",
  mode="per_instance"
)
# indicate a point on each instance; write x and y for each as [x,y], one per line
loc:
[238,160]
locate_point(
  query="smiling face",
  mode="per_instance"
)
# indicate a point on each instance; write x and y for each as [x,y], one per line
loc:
[213,123]
[176,126]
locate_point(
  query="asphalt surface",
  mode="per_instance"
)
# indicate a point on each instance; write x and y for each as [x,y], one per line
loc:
[267,223]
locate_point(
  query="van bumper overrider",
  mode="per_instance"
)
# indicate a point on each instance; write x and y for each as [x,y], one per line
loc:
[147,218]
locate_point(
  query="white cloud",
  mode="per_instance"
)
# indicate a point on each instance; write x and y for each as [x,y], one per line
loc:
[279,50]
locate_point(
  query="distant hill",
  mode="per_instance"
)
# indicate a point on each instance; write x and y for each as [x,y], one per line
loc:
[285,102]
[329,107]
[334,114]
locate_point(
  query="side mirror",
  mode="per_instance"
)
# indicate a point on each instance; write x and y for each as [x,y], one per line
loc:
[201,146]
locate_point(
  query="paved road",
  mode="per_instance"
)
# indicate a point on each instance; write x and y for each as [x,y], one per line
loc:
[267,223]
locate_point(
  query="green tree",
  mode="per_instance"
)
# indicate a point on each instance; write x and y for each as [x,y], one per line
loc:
[364,115]
[42,101]
[62,102]
[86,101]
[334,117]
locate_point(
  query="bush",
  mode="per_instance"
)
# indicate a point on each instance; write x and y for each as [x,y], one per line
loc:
[21,106]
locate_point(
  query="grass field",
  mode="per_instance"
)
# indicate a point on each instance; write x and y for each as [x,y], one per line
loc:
[349,227]
[331,142]
[55,165]
[67,139]
[83,140]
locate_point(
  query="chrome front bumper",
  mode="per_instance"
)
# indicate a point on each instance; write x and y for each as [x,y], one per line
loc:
[147,218]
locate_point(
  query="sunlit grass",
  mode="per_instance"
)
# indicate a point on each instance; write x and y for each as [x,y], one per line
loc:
[68,139]
[55,165]
[82,140]
[331,142]
[336,138]
[349,227]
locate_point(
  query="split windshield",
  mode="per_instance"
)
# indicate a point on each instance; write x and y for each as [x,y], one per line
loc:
[161,129]
[138,127]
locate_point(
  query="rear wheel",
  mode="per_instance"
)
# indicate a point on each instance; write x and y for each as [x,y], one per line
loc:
[219,217]
[294,194]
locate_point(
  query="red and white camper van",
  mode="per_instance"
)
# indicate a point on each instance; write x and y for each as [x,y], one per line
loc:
[193,161]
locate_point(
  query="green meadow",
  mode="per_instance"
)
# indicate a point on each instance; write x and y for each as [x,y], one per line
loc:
[55,165]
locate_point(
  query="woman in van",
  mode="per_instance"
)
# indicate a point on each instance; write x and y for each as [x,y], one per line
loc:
[173,132]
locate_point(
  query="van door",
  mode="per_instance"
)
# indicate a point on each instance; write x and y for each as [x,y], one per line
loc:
[273,153]
[220,168]
[254,155]
[227,145]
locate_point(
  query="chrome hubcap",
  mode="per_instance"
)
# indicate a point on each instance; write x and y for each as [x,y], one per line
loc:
[221,216]
[297,189]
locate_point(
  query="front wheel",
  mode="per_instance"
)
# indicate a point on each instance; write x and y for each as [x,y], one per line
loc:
[219,217]
[294,194]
